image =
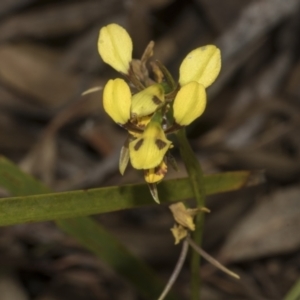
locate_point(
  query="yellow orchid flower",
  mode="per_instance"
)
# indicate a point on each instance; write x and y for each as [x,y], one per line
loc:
[117,100]
[189,103]
[158,100]
[115,47]
[202,65]
[148,151]
[147,101]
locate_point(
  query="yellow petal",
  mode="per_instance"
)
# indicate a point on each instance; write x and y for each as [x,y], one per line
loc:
[115,47]
[156,174]
[147,101]
[148,151]
[202,65]
[189,103]
[117,100]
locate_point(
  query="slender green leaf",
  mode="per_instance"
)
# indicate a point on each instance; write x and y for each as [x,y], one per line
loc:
[90,234]
[54,206]
[18,183]
[40,205]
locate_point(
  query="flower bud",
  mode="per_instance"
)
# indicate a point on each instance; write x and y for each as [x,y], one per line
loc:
[117,100]
[202,65]
[189,103]
[115,47]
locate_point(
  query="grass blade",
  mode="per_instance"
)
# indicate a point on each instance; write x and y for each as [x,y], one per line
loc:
[41,205]
[294,293]
[86,231]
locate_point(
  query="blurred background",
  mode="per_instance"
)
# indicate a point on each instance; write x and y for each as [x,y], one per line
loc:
[48,57]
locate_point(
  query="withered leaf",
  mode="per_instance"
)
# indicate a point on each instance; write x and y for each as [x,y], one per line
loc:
[271,228]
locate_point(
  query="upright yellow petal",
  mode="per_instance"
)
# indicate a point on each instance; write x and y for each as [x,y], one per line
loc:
[189,103]
[115,47]
[202,65]
[147,101]
[117,100]
[148,151]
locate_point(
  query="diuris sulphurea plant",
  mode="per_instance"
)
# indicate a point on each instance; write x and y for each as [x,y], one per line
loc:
[150,105]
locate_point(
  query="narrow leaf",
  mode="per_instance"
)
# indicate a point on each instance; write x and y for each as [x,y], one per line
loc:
[294,293]
[86,231]
[54,206]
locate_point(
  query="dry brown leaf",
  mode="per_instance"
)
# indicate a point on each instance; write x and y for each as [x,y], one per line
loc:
[11,288]
[222,13]
[54,20]
[271,228]
[10,128]
[10,102]
[277,166]
[36,77]
[293,87]
[8,6]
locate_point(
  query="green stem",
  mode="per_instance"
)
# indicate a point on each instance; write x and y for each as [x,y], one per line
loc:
[197,182]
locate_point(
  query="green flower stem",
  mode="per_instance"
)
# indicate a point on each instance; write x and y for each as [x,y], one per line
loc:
[170,82]
[197,183]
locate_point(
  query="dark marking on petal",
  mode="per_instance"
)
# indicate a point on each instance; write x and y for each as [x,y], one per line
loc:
[160,171]
[160,144]
[156,170]
[138,145]
[156,100]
